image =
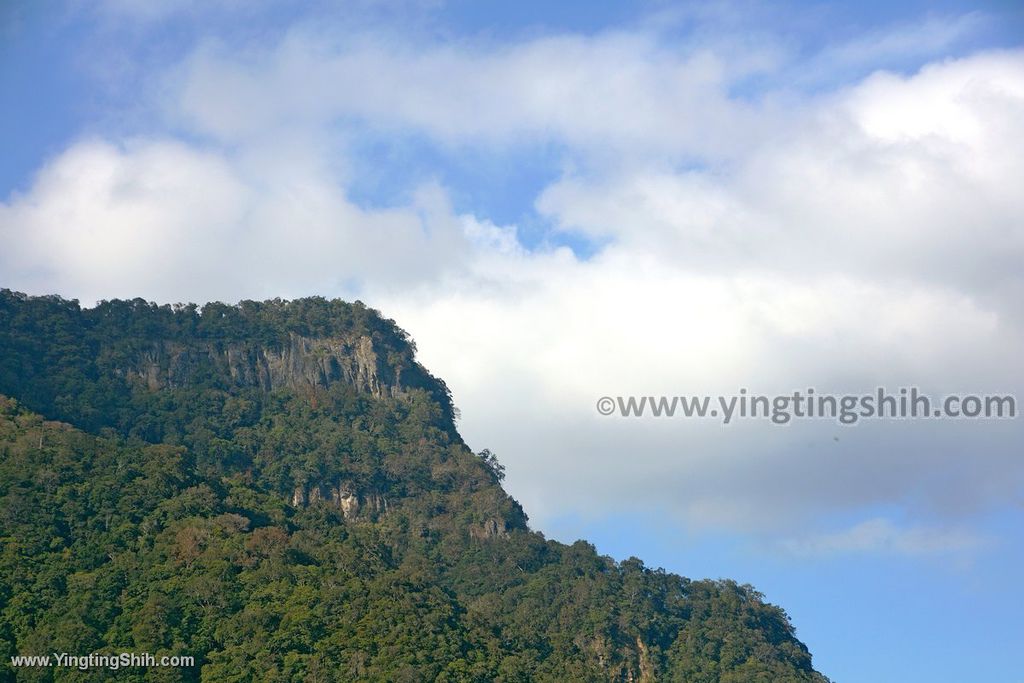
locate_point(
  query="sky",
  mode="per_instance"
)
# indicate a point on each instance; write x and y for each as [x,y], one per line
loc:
[565,201]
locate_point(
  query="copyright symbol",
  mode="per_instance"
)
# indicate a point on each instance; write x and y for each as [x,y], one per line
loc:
[605,405]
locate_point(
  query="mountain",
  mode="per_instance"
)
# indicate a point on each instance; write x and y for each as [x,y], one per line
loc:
[279,490]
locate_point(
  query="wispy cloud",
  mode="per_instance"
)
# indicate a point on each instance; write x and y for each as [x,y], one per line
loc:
[621,92]
[898,47]
[880,535]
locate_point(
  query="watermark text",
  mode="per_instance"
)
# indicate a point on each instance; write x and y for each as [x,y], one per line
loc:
[848,409]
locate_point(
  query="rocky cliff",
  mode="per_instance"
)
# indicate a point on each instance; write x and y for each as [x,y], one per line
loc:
[298,363]
[345,496]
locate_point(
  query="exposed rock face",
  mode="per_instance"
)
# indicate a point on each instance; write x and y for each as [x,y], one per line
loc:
[645,666]
[375,503]
[349,503]
[314,495]
[343,496]
[621,661]
[488,529]
[300,363]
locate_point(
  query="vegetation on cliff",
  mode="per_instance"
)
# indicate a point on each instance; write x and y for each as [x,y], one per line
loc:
[279,489]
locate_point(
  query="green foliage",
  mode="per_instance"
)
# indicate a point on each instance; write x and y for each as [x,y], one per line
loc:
[166,521]
[490,460]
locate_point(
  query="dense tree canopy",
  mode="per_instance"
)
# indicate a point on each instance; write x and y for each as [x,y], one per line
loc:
[312,532]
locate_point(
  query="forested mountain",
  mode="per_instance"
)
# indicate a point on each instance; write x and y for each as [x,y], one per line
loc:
[278,489]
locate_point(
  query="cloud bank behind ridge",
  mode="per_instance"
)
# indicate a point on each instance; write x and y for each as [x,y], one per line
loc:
[865,234]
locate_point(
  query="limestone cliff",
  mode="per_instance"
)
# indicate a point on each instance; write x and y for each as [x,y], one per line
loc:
[352,502]
[300,363]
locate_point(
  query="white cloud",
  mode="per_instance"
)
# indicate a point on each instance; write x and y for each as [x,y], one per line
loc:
[890,45]
[528,348]
[869,236]
[898,177]
[880,535]
[168,221]
[834,256]
[621,91]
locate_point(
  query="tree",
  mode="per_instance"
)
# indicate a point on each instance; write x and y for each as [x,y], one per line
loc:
[490,460]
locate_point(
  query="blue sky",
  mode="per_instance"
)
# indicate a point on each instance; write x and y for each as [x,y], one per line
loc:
[565,201]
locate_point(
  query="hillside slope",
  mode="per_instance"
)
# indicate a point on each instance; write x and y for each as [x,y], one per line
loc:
[279,489]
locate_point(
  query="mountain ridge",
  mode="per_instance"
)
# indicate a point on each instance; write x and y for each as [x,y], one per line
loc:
[289,448]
